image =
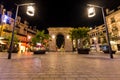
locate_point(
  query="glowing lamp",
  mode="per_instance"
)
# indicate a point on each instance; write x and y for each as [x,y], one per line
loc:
[91,11]
[53,36]
[30,10]
[68,36]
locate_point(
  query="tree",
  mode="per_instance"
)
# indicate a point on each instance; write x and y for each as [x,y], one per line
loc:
[81,34]
[41,37]
[8,37]
[15,41]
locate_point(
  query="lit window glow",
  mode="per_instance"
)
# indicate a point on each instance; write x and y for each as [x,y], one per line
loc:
[29,37]
[94,38]
[1,42]
[1,37]
[113,42]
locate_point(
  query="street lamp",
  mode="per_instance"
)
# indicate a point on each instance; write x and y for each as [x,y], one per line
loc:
[91,13]
[29,12]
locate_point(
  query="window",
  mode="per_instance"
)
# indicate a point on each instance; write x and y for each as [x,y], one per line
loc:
[99,40]
[114,28]
[112,20]
[104,31]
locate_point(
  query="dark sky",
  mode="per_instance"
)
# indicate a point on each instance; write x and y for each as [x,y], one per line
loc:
[65,13]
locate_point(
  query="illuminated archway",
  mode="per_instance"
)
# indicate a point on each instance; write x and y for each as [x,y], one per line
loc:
[57,34]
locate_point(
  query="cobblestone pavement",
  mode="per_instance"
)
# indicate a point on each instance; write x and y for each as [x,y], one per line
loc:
[59,66]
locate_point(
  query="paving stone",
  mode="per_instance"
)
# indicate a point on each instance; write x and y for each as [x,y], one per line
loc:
[60,66]
[108,78]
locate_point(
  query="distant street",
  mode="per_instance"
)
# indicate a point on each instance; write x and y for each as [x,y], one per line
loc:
[60,66]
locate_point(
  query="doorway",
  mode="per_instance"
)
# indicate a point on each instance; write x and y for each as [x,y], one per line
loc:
[60,41]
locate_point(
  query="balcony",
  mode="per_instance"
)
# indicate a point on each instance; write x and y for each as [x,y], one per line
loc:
[23,33]
[7,28]
[31,31]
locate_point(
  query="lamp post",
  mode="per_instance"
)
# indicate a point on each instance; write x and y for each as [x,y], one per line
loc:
[107,33]
[30,12]
[28,43]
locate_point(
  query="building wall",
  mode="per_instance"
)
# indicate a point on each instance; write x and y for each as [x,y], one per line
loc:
[22,30]
[113,22]
[97,36]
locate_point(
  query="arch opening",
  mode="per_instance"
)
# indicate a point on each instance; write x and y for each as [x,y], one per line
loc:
[60,41]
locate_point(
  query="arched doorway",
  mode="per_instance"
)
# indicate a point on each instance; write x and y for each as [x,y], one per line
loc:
[60,41]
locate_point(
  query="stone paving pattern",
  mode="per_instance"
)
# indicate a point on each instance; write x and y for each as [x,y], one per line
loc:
[59,66]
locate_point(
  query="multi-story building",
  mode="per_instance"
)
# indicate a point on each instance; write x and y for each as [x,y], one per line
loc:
[113,22]
[23,31]
[98,35]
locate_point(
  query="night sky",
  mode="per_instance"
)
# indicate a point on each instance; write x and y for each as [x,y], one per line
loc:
[61,13]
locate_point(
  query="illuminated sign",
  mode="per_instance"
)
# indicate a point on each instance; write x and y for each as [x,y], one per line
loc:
[4,18]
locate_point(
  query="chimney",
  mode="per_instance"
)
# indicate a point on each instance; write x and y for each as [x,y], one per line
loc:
[107,11]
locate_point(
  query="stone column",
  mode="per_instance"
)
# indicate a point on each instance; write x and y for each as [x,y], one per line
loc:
[68,43]
[52,43]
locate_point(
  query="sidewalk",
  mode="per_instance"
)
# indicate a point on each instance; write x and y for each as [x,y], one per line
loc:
[59,66]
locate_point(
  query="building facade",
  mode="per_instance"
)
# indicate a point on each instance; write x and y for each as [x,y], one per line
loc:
[98,34]
[23,31]
[113,22]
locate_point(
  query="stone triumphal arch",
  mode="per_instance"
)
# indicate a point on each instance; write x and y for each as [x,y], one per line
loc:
[60,39]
